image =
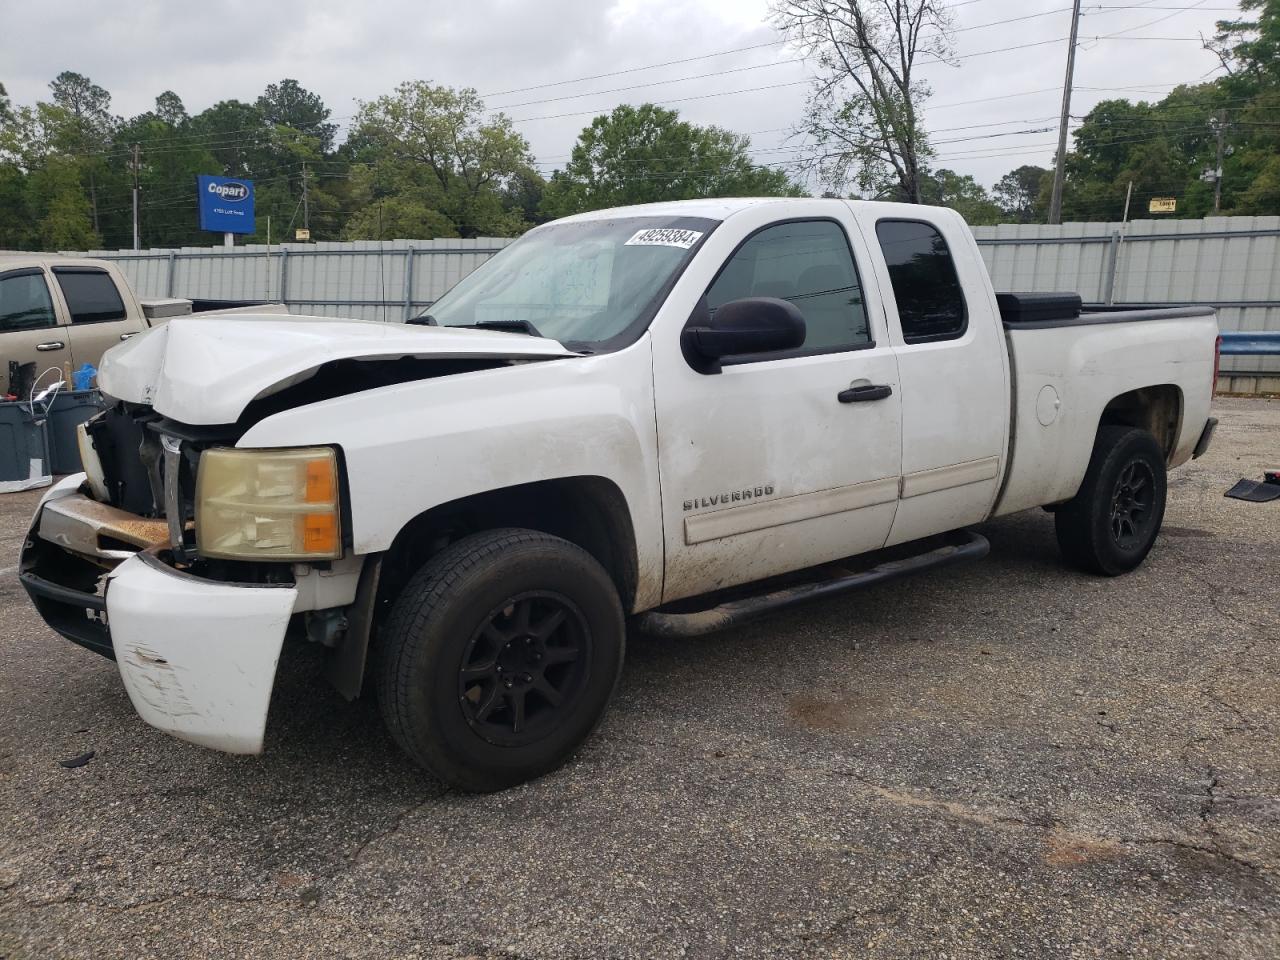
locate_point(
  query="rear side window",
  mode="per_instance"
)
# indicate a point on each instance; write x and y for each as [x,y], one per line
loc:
[24,302]
[91,295]
[930,301]
[810,264]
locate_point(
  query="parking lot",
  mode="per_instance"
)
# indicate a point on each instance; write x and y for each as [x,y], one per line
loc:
[995,760]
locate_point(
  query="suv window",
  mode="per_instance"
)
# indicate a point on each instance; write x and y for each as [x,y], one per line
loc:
[24,302]
[91,295]
[810,264]
[930,302]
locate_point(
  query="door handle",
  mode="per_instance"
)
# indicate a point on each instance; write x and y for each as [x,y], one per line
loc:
[126,336]
[50,345]
[864,392]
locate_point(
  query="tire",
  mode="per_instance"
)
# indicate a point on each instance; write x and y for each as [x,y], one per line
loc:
[1110,525]
[499,657]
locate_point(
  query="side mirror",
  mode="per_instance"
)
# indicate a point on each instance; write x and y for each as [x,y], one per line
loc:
[741,327]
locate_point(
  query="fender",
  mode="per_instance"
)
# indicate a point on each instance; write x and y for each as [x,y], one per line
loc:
[413,446]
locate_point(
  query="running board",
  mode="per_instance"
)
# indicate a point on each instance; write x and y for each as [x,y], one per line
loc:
[965,545]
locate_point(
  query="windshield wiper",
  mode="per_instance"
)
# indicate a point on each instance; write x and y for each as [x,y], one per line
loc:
[506,326]
[422,320]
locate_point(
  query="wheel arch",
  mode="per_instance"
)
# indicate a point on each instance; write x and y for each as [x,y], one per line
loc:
[1157,409]
[589,511]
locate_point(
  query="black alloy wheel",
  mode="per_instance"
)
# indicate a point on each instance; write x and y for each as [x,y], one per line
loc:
[523,669]
[499,656]
[1112,522]
[1131,504]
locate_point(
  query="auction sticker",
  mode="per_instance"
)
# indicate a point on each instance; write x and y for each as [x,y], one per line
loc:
[664,237]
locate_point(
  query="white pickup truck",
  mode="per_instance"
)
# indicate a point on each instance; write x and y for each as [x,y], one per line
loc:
[677,412]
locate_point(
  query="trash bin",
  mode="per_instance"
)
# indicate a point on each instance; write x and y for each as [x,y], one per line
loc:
[24,448]
[68,410]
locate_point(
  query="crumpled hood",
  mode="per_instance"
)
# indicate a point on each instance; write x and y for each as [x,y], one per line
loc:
[205,371]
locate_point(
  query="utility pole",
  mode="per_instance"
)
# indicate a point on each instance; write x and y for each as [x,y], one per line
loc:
[1217,170]
[1059,170]
[306,204]
[137,234]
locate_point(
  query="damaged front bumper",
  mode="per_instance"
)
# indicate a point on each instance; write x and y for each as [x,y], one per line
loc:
[198,657]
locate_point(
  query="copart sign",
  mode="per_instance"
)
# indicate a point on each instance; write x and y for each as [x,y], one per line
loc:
[226,204]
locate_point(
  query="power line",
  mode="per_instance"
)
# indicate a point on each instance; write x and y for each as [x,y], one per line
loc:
[708,56]
[654,83]
[1151,23]
[647,66]
[1143,6]
[744,69]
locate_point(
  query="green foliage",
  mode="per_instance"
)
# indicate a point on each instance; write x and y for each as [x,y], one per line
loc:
[946,188]
[1169,148]
[648,154]
[288,104]
[1018,193]
[440,162]
[65,219]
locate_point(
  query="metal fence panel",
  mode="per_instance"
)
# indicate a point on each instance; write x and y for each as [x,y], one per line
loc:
[1232,263]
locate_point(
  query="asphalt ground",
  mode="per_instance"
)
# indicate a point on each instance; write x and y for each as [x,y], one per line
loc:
[1003,759]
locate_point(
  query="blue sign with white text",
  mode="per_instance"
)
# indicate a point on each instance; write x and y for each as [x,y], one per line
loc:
[226,205]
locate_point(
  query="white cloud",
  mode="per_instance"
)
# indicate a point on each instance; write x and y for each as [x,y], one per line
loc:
[347,52]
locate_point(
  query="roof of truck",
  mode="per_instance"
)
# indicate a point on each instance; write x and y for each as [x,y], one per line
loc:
[16,261]
[722,208]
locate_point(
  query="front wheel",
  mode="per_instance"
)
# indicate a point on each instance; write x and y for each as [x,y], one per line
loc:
[1110,525]
[499,657]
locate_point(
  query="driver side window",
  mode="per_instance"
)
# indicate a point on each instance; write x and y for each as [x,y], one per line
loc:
[808,263]
[24,301]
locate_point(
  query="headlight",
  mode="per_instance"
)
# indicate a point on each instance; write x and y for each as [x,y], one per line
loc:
[268,504]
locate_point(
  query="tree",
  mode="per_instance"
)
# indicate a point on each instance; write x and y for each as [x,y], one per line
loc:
[169,108]
[289,104]
[1249,48]
[864,111]
[960,192]
[6,108]
[236,133]
[431,149]
[169,160]
[647,154]
[1018,193]
[65,222]
[88,126]
[523,195]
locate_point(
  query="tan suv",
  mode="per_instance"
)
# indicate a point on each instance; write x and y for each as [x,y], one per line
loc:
[62,312]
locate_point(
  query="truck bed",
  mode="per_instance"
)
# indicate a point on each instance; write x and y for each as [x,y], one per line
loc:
[1067,369]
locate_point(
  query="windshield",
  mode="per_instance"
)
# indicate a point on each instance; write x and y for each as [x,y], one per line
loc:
[587,284]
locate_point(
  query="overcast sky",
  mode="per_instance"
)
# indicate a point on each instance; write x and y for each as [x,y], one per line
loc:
[358,50]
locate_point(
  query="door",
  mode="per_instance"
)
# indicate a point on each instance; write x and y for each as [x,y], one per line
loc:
[952,364]
[775,463]
[99,319]
[30,329]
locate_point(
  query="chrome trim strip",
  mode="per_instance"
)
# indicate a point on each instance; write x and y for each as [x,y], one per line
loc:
[953,475]
[172,490]
[762,514]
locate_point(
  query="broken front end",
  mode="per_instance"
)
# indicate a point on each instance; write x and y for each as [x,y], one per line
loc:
[188,560]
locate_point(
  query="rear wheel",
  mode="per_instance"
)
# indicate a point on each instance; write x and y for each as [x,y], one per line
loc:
[1111,524]
[499,658]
